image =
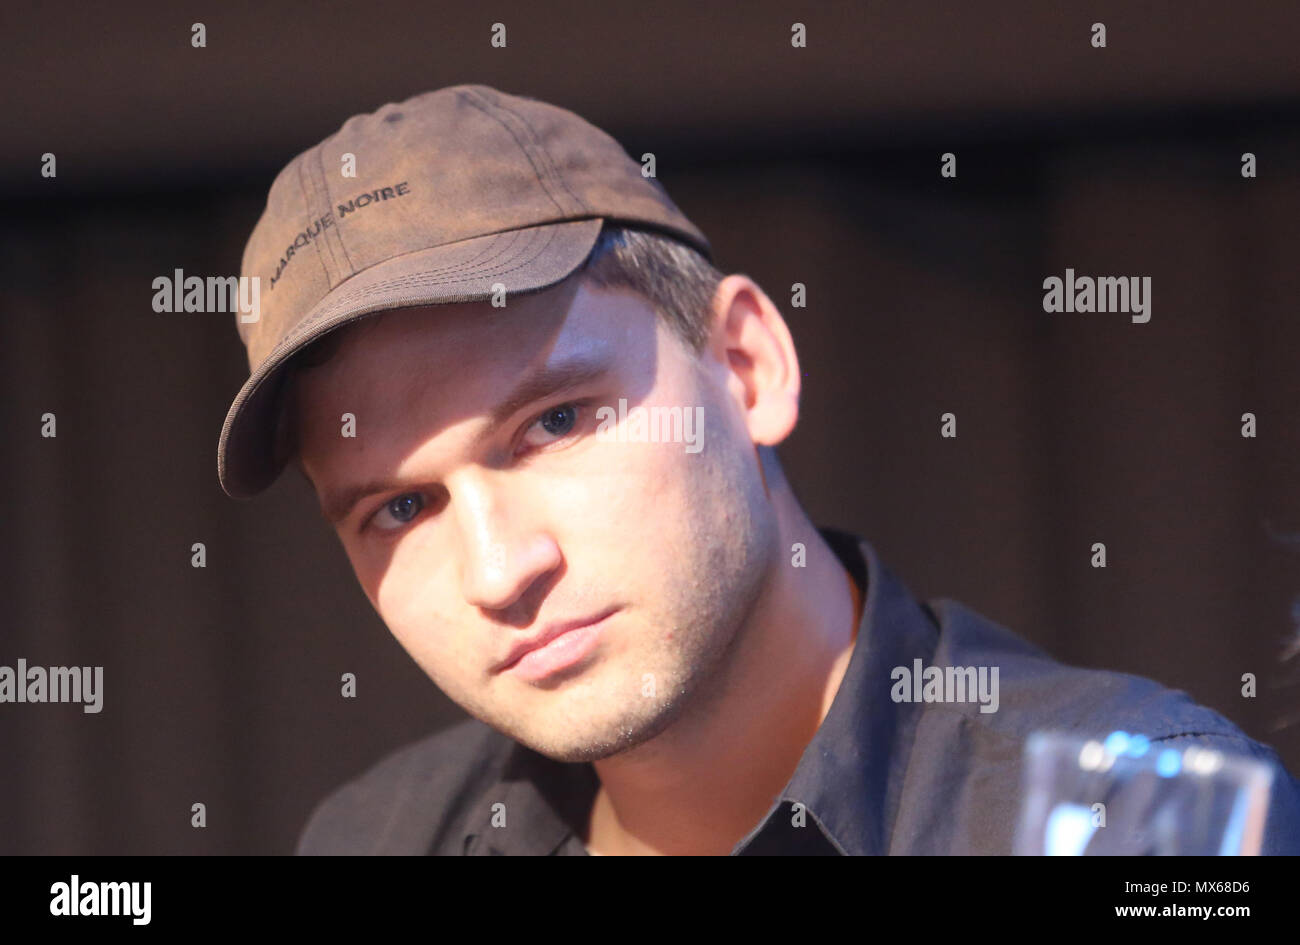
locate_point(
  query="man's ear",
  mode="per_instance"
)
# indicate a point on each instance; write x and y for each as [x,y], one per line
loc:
[751,342]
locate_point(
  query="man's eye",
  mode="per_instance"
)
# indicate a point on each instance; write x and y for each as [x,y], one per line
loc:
[554,424]
[400,511]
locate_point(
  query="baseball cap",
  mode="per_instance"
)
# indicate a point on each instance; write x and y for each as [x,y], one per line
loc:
[450,196]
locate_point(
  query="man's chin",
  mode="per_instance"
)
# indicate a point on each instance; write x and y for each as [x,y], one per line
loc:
[601,741]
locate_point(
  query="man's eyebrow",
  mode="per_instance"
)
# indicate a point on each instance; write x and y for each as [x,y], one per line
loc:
[541,382]
[338,504]
[545,381]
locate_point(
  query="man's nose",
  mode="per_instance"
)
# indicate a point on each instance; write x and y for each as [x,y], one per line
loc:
[504,548]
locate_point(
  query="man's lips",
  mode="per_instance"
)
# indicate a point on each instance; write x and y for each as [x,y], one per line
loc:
[546,635]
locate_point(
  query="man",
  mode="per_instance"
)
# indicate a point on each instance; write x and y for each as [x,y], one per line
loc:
[543,427]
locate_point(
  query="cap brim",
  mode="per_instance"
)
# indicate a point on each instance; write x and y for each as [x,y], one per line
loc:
[522,260]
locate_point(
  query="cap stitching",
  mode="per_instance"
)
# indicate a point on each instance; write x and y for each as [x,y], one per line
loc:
[329,209]
[338,230]
[430,277]
[523,150]
[521,246]
[344,301]
[491,251]
[550,159]
[308,193]
[502,256]
[478,259]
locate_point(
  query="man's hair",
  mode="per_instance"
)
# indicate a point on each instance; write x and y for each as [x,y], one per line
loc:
[677,280]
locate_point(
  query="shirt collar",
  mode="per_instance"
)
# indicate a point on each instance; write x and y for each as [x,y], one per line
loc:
[849,777]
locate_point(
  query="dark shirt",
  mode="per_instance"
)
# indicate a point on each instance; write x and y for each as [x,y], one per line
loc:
[879,776]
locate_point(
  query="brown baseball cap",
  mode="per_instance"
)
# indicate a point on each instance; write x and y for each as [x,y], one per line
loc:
[450,196]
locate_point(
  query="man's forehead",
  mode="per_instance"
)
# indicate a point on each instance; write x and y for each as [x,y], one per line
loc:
[463,362]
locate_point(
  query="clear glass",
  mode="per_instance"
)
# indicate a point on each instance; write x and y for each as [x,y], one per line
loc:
[1124,795]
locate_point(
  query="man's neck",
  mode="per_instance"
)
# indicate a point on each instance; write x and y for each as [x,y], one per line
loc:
[708,780]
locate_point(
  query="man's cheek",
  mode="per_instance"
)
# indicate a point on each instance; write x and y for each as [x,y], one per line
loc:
[639,473]
[409,582]
[436,652]
[670,475]
[412,635]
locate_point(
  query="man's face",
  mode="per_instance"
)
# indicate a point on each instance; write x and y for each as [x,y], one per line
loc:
[484,520]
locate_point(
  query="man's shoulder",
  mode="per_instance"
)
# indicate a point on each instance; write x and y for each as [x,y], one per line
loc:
[1035,688]
[414,800]
[1035,691]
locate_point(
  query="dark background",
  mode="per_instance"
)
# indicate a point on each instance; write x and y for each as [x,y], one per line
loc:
[816,165]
